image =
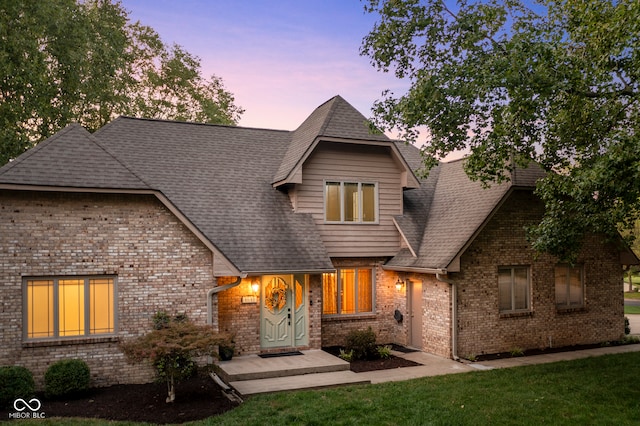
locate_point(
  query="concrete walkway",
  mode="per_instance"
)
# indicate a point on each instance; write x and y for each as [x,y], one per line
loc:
[432,366]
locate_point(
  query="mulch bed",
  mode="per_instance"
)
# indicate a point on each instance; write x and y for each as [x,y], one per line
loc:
[196,398]
[531,352]
[362,365]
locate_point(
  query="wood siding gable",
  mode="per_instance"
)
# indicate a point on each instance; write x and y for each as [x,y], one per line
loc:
[353,163]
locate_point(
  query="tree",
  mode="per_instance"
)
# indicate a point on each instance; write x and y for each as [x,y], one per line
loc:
[85,62]
[553,81]
[171,347]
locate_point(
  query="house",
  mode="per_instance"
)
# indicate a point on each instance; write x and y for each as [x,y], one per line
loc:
[288,239]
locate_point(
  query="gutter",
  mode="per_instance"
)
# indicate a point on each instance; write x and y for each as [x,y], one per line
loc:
[216,290]
[417,270]
[454,310]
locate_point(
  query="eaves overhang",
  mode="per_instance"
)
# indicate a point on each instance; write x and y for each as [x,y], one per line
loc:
[418,270]
[409,179]
[287,271]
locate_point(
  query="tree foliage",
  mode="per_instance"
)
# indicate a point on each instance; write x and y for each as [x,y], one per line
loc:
[550,81]
[65,61]
[171,347]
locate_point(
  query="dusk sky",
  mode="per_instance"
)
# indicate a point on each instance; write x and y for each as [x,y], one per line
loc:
[280,58]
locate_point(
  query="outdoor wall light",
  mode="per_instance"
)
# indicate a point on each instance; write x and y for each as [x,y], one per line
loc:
[255,286]
[399,284]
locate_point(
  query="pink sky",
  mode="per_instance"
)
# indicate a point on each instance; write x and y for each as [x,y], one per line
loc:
[280,58]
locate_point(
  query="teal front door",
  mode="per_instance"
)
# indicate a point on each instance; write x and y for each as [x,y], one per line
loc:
[284,313]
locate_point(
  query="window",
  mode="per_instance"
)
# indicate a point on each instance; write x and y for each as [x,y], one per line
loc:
[513,289]
[69,307]
[569,287]
[350,202]
[348,292]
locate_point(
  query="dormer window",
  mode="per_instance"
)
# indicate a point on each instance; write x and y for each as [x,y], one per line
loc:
[350,202]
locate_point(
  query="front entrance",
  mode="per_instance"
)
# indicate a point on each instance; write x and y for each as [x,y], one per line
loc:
[284,314]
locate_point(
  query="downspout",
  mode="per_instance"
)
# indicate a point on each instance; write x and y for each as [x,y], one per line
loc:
[454,310]
[216,290]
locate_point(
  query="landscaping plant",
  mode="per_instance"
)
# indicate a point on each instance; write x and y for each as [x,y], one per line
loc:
[362,343]
[15,382]
[172,346]
[67,377]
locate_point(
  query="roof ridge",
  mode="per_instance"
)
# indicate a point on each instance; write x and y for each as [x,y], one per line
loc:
[99,144]
[39,146]
[330,113]
[195,123]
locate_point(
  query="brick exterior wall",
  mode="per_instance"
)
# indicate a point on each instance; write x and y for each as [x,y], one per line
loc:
[436,316]
[159,265]
[382,322]
[240,319]
[481,327]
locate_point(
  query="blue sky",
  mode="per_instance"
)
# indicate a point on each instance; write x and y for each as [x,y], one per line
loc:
[280,58]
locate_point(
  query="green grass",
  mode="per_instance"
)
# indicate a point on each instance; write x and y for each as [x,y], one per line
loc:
[593,391]
[632,295]
[631,310]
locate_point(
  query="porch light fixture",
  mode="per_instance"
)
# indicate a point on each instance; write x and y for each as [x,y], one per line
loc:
[255,286]
[400,284]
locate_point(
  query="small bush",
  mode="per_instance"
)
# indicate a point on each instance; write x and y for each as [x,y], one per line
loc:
[15,382]
[627,327]
[516,351]
[346,355]
[384,352]
[362,343]
[68,377]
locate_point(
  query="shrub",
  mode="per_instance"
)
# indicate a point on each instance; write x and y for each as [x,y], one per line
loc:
[362,343]
[346,355]
[627,327]
[68,377]
[384,352]
[516,351]
[15,382]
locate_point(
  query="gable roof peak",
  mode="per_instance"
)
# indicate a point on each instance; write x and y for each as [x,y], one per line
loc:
[335,118]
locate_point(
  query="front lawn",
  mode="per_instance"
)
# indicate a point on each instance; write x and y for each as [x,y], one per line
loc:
[632,295]
[597,390]
[631,310]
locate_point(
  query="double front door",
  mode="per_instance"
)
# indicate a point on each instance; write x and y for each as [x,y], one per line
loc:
[284,311]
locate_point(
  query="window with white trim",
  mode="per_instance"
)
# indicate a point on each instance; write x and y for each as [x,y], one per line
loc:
[350,202]
[569,287]
[348,292]
[69,307]
[513,289]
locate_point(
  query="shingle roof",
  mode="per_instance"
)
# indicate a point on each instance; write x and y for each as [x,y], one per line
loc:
[70,158]
[336,118]
[220,178]
[451,208]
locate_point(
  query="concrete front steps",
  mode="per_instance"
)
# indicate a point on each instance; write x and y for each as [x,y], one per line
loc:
[251,374]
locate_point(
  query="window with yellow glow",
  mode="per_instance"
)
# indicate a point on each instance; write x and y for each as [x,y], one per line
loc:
[69,307]
[350,202]
[347,292]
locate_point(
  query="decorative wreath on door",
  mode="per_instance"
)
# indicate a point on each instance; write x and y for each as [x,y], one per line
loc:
[275,297]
